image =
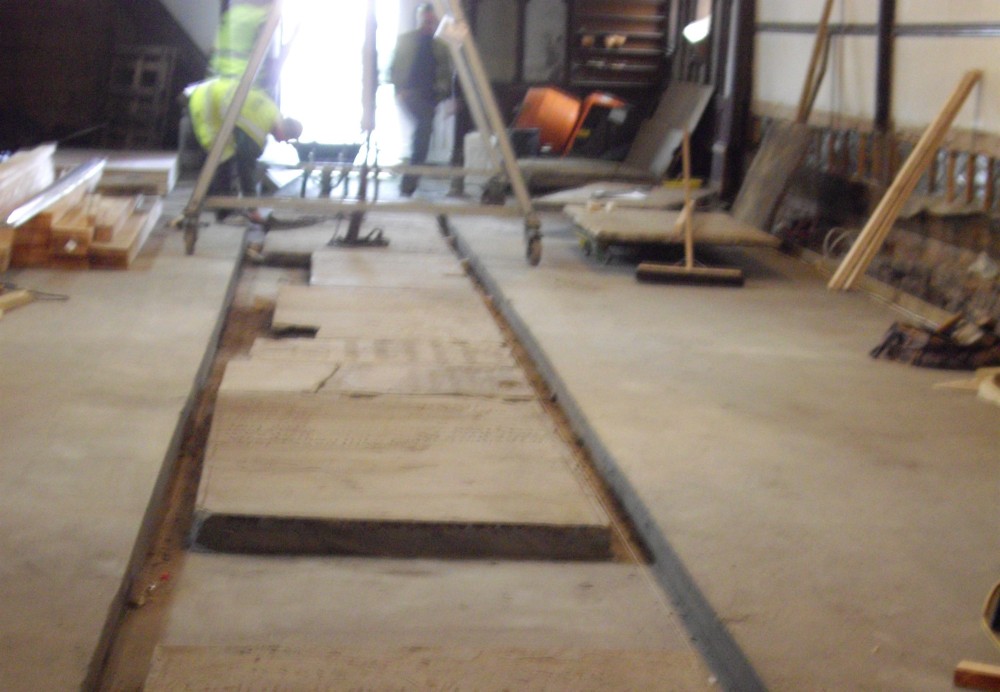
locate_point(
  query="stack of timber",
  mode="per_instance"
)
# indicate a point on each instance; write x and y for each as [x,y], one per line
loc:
[86,230]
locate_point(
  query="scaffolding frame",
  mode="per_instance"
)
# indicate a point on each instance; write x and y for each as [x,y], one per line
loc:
[454,30]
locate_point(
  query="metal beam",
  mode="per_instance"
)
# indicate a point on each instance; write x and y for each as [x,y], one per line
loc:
[883,75]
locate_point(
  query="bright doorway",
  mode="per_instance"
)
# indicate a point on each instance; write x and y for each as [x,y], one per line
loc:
[321,83]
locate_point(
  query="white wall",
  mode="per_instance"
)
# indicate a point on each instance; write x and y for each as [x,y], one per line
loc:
[200,18]
[927,69]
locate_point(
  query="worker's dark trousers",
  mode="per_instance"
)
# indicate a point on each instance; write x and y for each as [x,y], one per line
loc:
[242,168]
[420,107]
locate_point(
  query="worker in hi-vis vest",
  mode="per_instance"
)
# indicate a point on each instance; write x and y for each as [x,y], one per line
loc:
[239,28]
[260,117]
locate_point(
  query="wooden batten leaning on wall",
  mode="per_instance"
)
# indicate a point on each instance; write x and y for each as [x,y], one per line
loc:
[864,249]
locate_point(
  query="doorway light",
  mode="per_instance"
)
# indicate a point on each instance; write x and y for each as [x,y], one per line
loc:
[697,31]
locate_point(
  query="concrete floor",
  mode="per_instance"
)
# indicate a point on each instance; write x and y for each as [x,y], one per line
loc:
[837,514]
[95,389]
[827,521]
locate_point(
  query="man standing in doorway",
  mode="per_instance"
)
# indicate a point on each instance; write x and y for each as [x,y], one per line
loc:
[421,72]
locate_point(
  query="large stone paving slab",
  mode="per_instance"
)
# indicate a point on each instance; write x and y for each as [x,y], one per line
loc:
[430,351]
[504,382]
[387,620]
[438,313]
[393,475]
[270,375]
[425,668]
[384,268]
[248,375]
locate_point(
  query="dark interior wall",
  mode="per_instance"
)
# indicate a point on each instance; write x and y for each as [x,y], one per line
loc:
[57,59]
[147,22]
[56,54]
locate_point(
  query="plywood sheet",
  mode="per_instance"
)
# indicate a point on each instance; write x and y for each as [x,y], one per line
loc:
[655,226]
[425,668]
[445,313]
[393,475]
[681,108]
[429,351]
[352,267]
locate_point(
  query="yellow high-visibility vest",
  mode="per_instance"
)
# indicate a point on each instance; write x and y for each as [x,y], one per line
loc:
[209,102]
[234,41]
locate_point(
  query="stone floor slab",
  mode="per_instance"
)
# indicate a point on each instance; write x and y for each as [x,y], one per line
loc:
[232,600]
[393,475]
[504,382]
[425,668]
[275,376]
[439,313]
[386,268]
[430,351]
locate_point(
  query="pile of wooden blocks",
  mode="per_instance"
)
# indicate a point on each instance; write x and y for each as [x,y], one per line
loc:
[77,229]
[90,231]
[13,298]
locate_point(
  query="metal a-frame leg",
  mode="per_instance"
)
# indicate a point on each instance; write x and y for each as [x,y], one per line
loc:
[475,83]
[192,212]
[476,87]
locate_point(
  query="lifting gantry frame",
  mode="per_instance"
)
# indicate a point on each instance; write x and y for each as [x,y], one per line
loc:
[455,31]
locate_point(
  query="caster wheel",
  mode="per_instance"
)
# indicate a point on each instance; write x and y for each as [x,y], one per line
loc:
[533,252]
[190,238]
[494,193]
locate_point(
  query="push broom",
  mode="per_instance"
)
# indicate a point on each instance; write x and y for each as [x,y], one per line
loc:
[688,273]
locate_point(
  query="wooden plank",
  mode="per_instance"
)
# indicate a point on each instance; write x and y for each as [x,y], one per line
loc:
[128,241]
[73,231]
[869,241]
[817,66]
[10,300]
[33,238]
[111,214]
[977,676]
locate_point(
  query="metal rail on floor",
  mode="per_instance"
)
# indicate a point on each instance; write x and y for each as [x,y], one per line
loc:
[455,32]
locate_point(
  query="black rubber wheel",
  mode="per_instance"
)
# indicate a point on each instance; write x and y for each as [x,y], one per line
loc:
[533,252]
